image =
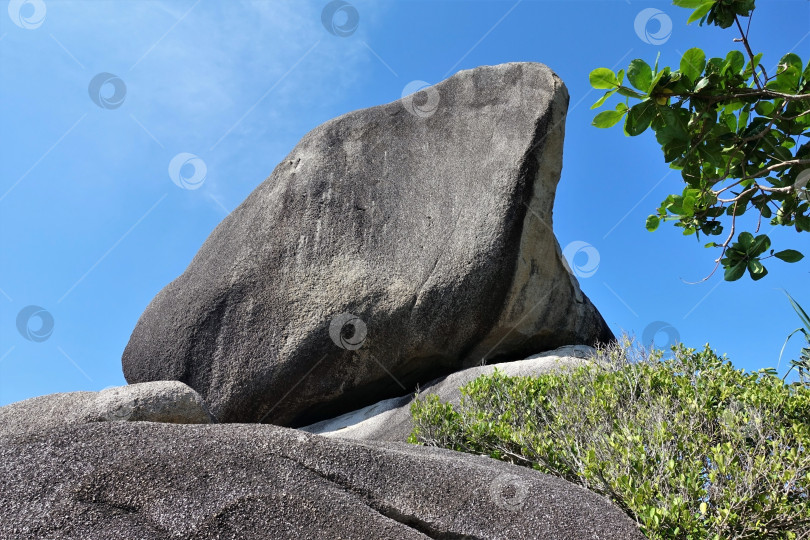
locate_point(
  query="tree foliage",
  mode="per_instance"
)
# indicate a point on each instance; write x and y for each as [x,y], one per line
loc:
[733,129]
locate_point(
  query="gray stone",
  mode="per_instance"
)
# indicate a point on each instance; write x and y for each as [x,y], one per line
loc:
[141,480]
[390,420]
[393,245]
[45,412]
[171,402]
[159,401]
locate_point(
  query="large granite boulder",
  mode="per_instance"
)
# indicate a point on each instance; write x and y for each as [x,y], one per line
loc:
[159,401]
[391,420]
[149,481]
[393,245]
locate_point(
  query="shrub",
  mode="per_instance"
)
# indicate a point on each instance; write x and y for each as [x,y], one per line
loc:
[689,447]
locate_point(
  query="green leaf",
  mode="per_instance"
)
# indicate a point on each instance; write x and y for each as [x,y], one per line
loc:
[765,211]
[789,255]
[789,72]
[799,311]
[746,240]
[764,108]
[657,77]
[760,245]
[700,12]
[756,270]
[734,62]
[735,272]
[639,118]
[701,84]
[602,99]
[714,66]
[742,120]
[689,204]
[730,121]
[627,92]
[711,154]
[691,4]
[603,79]
[751,66]
[607,119]
[744,8]
[652,222]
[671,124]
[639,73]
[693,62]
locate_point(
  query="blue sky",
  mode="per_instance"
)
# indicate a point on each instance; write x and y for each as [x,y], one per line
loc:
[92,226]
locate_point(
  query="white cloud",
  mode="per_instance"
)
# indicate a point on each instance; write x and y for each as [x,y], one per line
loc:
[248,71]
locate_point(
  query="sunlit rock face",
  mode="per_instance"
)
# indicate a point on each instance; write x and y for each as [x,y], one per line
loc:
[418,232]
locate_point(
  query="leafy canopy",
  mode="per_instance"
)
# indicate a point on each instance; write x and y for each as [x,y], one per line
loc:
[732,129]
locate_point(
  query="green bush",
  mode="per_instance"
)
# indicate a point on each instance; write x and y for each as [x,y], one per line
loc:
[688,447]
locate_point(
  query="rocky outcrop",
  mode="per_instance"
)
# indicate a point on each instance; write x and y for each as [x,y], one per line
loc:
[149,481]
[393,245]
[160,401]
[390,420]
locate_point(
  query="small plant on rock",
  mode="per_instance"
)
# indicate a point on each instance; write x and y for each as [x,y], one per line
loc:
[802,364]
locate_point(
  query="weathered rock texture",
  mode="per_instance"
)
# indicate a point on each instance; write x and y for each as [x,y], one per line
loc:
[140,480]
[390,420]
[430,222]
[160,401]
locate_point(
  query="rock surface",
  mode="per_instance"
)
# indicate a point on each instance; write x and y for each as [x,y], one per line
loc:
[390,420]
[159,401]
[393,245]
[140,480]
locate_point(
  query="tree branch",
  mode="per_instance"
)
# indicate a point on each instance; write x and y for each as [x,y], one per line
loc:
[762,172]
[744,39]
